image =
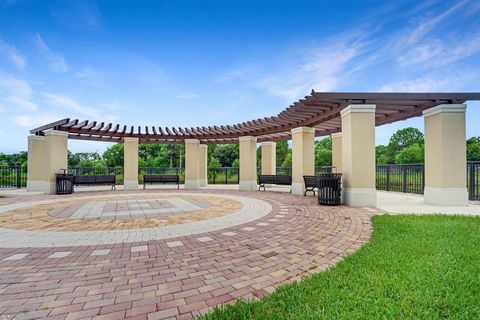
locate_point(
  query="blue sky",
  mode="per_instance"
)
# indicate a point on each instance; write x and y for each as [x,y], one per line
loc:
[194,63]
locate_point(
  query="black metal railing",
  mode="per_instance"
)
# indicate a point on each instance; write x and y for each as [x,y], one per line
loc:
[473,180]
[284,171]
[409,178]
[12,177]
[223,175]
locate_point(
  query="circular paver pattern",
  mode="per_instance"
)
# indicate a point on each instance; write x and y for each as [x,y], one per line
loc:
[175,276]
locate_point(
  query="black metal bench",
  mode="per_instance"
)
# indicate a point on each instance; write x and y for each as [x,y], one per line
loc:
[161,178]
[274,179]
[311,182]
[97,179]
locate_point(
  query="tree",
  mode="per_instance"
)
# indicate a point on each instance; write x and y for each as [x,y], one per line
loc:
[113,156]
[473,149]
[214,163]
[323,152]
[381,155]
[226,154]
[401,139]
[236,163]
[287,162]
[411,154]
[323,157]
[282,151]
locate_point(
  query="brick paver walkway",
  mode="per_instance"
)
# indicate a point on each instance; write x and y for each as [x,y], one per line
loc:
[176,277]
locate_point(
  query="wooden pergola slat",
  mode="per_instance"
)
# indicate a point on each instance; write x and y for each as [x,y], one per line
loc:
[320,110]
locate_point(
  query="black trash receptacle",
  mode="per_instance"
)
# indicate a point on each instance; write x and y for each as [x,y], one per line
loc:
[64,182]
[329,189]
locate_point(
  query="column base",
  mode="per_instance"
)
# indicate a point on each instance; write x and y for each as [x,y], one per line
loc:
[41,186]
[247,185]
[203,183]
[453,197]
[192,184]
[298,188]
[360,197]
[130,185]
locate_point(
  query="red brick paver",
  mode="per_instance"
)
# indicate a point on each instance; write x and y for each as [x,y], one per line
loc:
[160,280]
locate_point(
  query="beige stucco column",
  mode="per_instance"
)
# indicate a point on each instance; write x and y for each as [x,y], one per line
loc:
[36,164]
[130,163]
[248,163]
[56,157]
[303,157]
[358,155]
[269,157]
[192,156]
[202,164]
[445,155]
[337,151]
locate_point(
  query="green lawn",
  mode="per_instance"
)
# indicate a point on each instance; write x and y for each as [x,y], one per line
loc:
[414,267]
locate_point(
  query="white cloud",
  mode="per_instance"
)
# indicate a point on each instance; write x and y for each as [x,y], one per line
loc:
[13,55]
[16,93]
[323,67]
[55,60]
[67,103]
[427,25]
[447,81]
[32,121]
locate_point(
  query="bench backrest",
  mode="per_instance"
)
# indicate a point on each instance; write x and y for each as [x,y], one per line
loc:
[161,178]
[274,179]
[104,178]
[310,181]
[285,180]
[84,179]
[266,178]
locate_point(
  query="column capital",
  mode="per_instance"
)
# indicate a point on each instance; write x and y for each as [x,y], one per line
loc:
[269,143]
[35,137]
[130,139]
[303,129]
[445,108]
[247,138]
[358,108]
[336,135]
[59,133]
[195,141]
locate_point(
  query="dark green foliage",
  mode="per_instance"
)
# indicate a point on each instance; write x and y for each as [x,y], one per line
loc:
[411,154]
[113,156]
[401,139]
[473,149]
[15,159]
[282,150]
[226,154]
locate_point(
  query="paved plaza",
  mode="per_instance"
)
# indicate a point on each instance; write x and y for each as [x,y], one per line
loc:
[162,254]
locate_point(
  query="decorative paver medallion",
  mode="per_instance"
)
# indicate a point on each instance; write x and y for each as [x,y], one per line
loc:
[79,259]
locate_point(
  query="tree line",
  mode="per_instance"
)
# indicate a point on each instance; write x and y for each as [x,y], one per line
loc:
[405,146]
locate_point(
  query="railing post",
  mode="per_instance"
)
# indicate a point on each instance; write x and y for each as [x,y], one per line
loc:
[387,180]
[423,178]
[404,168]
[471,186]
[19,177]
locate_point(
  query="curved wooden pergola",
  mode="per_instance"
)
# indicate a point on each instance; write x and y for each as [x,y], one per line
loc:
[320,110]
